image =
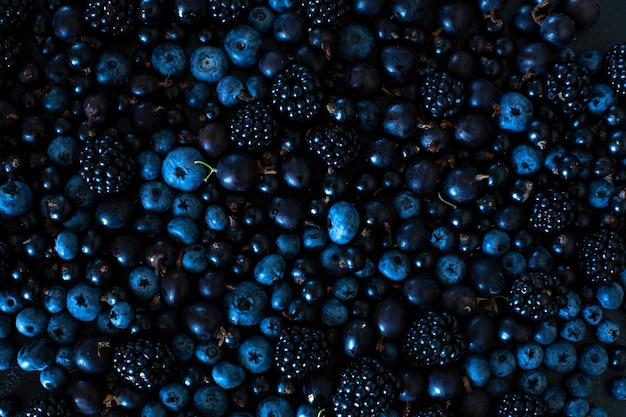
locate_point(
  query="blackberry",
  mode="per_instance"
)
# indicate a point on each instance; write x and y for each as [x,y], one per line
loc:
[366,389]
[537,295]
[602,255]
[516,404]
[337,144]
[105,165]
[435,339]
[253,126]
[143,363]
[9,50]
[14,12]
[615,67]
[569,86]
[226,12]
[442,94]
[109,17]
[301,349]
[48,406]
[552,211]
[297,93]
[330,13]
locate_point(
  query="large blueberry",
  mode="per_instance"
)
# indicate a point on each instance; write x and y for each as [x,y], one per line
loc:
[181,170]
[16,198]
[245,304]
[342,222]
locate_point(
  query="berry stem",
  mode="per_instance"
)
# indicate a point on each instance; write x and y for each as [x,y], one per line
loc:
[211,169]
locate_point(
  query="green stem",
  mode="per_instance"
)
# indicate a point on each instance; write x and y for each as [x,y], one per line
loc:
[210,168]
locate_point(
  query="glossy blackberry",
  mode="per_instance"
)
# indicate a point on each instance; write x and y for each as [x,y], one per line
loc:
[109,17]
[330,13]
[143,363]
[552,211]
[442,94]
[296,93]
[516,404]
[365,389]
[615,67]
[602,255]
[537,295]
[336,143]
[253,126]
[9,50]
[569,86]
[105,165]
[48,406]
[14,12]
[227,11]
[435,339]
[434,410]
[301,349]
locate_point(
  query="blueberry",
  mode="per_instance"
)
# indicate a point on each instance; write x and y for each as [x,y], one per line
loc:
[608,330]
[208,64]
[246,304]
[610,295]
[501,362]
[181,170]
[394,265]
[516,112]
[477,369]
[275,406]
[243,46]
[169,59]
[560,357]
[83,301]
[579,384]
[36,354]
[529,355]
[31,321]
[16,198]
[174,396]
[228,375]
[210,400]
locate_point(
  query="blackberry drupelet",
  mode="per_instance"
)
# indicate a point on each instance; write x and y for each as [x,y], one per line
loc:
[330,13]
[602,255]
[301,349]
[297,93]
[435,339]
[14,12]
[48,406]
[569,86]
[143,363]
[226,12]
[365,389]
[443,95]
[253,126]
[615,67]
[537,295]
[9,50]
[109,17]
[552,211]
[516,404]
[105,165]
[336,143]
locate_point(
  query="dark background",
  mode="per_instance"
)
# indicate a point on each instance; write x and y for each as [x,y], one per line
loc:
[609,30]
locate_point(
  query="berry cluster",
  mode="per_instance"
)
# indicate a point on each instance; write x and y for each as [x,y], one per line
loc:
[341,208]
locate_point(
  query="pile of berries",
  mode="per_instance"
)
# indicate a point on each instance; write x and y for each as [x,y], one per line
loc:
[339,208]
